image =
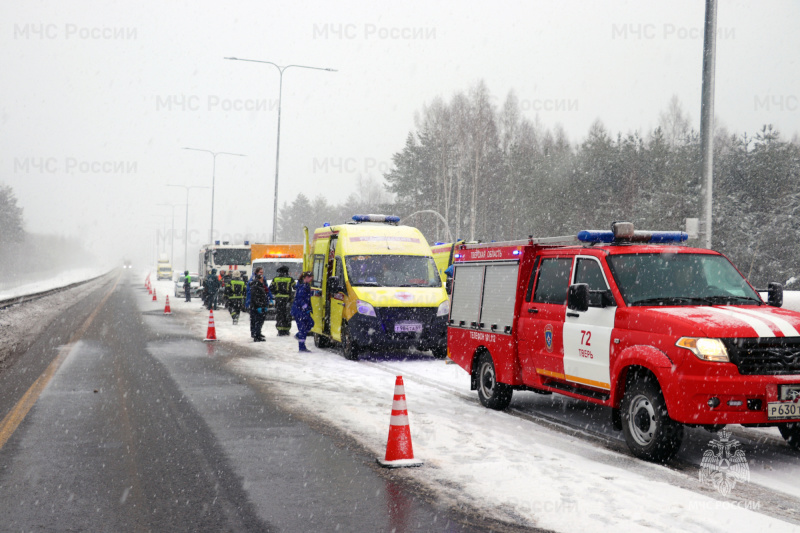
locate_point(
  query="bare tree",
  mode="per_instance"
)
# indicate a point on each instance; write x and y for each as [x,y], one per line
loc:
[674,123]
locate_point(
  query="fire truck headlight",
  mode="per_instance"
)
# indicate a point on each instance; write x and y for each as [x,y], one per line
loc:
[705,349]
[444,308]
[365,308]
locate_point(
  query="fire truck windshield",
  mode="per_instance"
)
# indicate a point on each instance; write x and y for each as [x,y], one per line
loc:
[680,279]
[232,256]
[392,271]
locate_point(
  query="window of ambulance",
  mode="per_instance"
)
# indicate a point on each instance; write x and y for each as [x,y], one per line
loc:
[317,270]
[392,271]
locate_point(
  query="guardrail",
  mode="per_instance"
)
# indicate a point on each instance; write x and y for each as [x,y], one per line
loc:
[16,300]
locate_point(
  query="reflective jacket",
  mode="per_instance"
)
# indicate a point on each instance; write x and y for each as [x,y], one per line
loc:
[235,290]
[282,287]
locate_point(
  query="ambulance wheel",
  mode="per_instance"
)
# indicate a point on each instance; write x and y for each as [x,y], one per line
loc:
[321,341]
[649,431]
[492,394]
[439,352]
[349,347]
[791,432]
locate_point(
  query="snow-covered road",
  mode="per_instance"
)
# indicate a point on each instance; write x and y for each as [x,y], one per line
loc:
[547,462]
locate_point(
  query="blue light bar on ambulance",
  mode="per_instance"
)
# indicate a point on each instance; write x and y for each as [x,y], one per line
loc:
[389,219]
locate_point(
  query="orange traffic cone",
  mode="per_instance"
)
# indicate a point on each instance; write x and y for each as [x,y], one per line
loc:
[167,310]
[211,335]
[154,295]
[399,452]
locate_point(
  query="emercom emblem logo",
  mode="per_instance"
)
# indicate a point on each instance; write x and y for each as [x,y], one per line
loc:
[724,464]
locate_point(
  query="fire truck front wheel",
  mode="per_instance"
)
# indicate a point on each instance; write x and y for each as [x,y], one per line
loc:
[492,394]
[649,431]
[791,432]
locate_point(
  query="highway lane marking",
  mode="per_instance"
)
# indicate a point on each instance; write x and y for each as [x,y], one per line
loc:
[15,417]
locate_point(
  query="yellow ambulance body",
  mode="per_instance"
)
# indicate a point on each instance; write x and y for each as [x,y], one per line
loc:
[376,288]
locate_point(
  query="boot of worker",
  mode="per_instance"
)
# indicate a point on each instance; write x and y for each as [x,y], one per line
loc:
[303,347]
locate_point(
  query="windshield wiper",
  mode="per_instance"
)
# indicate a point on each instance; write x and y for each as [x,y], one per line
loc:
[367,284]
[721,298]
[667,300]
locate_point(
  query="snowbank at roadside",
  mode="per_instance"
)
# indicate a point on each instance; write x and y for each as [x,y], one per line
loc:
[57,280]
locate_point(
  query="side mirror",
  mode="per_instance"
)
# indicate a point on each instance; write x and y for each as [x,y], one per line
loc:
[578,297]
[775,294]
[606,298]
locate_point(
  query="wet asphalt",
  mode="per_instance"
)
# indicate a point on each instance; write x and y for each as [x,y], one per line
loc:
[143,429]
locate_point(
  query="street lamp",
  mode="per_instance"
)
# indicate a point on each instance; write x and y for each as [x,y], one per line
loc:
[446,225]
[186,233]
[278,147]
[172,240]
[159,231]
[213,179]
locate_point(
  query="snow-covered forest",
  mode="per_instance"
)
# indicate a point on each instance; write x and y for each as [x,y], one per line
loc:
[25,255]
[495,174]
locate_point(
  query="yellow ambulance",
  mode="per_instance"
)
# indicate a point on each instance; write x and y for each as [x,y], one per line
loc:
[376,287]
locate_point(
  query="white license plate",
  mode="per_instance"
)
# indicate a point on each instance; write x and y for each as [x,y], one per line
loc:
[407,327]
[780,410]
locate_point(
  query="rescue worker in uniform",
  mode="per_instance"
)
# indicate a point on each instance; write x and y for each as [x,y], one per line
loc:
[301,309]
[234,291]
[211,289]
[187,285]
[282,289]
[259,300]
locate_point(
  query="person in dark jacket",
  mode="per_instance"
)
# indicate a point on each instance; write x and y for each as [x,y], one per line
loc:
[211,289]
[187,285]
[282,289]
[259,300]
[301,309]
[234,292]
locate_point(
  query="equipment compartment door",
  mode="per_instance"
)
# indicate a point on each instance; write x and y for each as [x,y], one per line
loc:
[587,335]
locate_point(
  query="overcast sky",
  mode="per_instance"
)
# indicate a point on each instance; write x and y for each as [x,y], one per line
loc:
[98,98]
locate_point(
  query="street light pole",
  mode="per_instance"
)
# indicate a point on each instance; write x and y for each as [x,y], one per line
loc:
[707,112]
[444,220]
[213,179]
[278,144]
[172,240]
[186,233]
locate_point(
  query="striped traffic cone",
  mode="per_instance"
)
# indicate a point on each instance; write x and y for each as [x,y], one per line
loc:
[399,452]
[154,295]
[211,335]
[167,310]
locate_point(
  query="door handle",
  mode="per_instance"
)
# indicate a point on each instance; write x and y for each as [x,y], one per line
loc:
[532,310]
[573,315]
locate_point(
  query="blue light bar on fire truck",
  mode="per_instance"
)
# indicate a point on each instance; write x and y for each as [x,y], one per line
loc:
[623,232]
[388,219]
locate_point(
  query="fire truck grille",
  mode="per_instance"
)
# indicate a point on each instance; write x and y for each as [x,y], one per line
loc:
[774,356]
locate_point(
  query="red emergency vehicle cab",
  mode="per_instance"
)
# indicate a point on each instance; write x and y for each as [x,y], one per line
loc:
[664,334]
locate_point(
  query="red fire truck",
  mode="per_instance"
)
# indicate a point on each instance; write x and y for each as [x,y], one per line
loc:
[664,334]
